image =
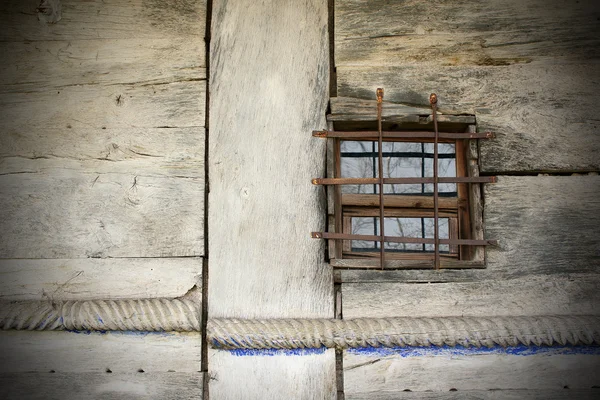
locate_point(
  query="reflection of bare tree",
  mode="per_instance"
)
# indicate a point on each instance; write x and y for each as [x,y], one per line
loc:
[418,164]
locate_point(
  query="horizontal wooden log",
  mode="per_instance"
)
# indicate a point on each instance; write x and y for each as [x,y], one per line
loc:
[179,104]
[495,394]
[442,370]
[497,32]
[236,374]
[127,352]
[544,224]
[181,148]
[572,294]
[42,65]
[549,128]
[101,385]
[112,19]
[94,278]
[62,208]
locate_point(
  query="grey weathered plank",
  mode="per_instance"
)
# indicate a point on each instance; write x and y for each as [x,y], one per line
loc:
[178,104]
[496,32]
[272,376]
[182,148]
[268,82]
[543,115]
[378,374]
[496,394]
[569,294]
[93,278]
[63,208]
[262,203]
[101,385]
[543,224]
[41,65]
[55,364]
[493,394]
[121,352]
[528,72]
[104,19]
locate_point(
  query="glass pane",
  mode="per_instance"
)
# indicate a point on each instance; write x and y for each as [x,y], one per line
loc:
[359,159]
[405,227]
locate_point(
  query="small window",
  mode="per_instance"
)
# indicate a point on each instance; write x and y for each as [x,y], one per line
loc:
[432,217]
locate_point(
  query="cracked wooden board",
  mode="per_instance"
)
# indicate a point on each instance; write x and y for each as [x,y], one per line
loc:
[96,278]
[495,394]
[528,76]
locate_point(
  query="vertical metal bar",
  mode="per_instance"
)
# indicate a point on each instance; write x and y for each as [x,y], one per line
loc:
[337,196]
[380,159]
[436,236]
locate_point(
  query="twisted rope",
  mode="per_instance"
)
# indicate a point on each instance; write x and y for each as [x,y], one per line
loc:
[403,332]
[147,315]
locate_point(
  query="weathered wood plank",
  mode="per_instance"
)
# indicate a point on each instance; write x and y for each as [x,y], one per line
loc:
[182,148]
[93,278]
[124,352]
[269,65]
[262,203]
[542,114]
[141,365]
[62,208]
[299,374]
[178,104]
[543,224]
[496,394]
[527,71]
[497,32]
[101,385]
[41,65]
[388,372]
[569,294]
[104,19]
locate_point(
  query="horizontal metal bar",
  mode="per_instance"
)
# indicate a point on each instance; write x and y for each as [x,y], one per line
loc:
[398,239]
[391,181]
[403,134]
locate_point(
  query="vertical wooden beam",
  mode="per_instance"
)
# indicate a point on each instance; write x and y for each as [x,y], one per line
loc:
[268,91]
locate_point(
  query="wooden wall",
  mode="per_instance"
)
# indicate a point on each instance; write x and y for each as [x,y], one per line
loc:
[101,186]
[527,70]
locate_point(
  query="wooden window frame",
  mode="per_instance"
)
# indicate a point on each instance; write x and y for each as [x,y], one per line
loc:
[467,208]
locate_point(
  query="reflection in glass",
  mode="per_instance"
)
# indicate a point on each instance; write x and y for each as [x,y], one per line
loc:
[400,160]
[404,227]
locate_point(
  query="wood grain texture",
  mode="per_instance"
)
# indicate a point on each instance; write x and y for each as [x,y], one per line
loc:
[102,145]
[263,263]
[104,19]
[94,278]
[497,32]
[59,208]
[528,76]
[40,65]
[272,376]
[366,375]
[544,224]
[268,91]
[126,352]
[101,385]
[496,394]
[569,294]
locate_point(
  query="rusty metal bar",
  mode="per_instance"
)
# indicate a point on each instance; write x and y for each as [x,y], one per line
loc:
[436,235]
[380,160]
[399,239]
[390,181]
[402,134]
